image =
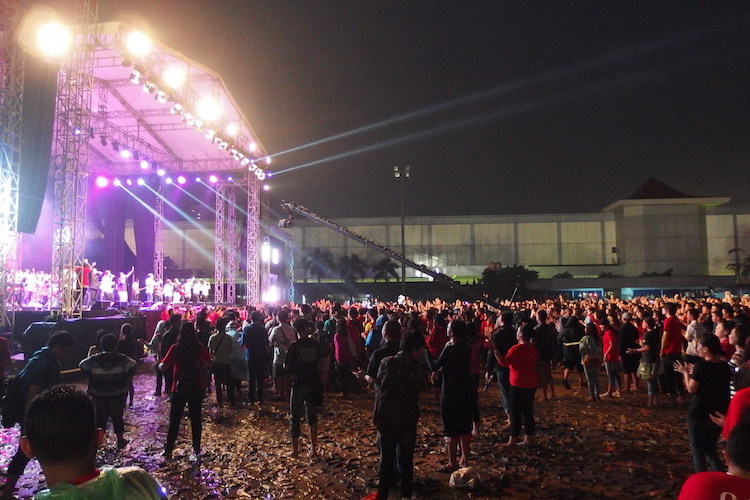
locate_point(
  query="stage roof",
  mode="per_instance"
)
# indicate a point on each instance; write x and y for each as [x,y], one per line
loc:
[134,108]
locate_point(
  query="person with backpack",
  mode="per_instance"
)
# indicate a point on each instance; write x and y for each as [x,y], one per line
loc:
[280,338]
[188,360]
[41,371]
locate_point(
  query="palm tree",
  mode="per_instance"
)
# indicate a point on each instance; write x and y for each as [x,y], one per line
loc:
[351,267]
[740,268]
[384,269]
[319,263]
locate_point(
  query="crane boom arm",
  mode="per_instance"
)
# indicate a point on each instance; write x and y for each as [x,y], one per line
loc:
[292,208]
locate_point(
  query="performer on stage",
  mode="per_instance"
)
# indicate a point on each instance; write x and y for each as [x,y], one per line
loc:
[122,285]
[149,285]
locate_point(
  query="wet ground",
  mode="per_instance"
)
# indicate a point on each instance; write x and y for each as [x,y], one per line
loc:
[583,449]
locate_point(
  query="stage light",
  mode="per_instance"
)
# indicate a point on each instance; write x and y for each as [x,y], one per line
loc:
[232,129]
[252,147]
[129,181]
[177,109]
[265,251]
[117,182]
[140,181]
[174,77]
[266,187]
[125,154]
[217,139]
[102,140]
[168,180]
[145,164]
[268,160]
[233,153]
[213,179]
[102,182]
[229,178]
[161,96]
[149,87]
[54,39]
[181,179]
[115,145]
[76,131]
[197,179]
[269,174]
[223,145]
[245,161]
[160,172]
[189,119]
[198,123]
[210,133]
[209,109]
[261,175]
[252,167]
[138,44]
[136,155]
[135,77]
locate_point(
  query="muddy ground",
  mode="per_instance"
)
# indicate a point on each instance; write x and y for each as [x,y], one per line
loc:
[583,449]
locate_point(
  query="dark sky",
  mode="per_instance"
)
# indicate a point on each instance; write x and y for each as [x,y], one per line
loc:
[498,107]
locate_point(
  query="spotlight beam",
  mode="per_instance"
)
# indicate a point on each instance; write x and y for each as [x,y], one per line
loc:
[619,58]
[553,99]
[187,217]
[212,209]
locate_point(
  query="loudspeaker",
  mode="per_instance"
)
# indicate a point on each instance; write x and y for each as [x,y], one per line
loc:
[101,305]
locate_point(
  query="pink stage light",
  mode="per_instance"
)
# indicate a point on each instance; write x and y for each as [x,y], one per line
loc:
[160,172]
[181,179]
[116,182]
[125,154]
[102,182]
[168,180]
[129,182]
[213,179]
[140,181]
[145,164]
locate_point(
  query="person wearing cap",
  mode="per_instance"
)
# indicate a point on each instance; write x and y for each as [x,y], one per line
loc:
[629,357]
[41,371]
[302,364]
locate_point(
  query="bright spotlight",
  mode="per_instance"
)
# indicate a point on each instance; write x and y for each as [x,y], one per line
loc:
[125,154]
[145,164]
[261,174]
[138,43]
[129,182]
[268,160]
[54,39]
[197,179]
[140,181]
[252,146]
[230,178]
[168,180]
[209,109]
[117,182]
[213,179]
[266,187]
[160,172]
[102,182]
[181,179]
[232,129]
[174,77]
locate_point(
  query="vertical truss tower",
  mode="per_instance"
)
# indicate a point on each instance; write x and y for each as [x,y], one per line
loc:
[159,235]
[232,248]
[70,162]
[11,104]
[253,239]
[219,243]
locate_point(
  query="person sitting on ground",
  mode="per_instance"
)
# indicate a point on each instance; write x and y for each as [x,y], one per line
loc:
[110,374]
[60,432]
[732,484]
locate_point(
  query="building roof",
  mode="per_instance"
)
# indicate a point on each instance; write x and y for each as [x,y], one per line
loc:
[659,193]
[653,188]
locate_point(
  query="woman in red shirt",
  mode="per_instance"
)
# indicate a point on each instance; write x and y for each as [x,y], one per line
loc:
[521,359]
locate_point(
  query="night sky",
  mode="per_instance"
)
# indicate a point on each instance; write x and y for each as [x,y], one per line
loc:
[498,107]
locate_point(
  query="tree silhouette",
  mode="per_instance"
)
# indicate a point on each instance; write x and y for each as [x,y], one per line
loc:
[319,263]
[384,269]
[351,267]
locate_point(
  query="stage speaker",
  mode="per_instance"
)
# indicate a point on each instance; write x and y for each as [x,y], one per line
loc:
[101,305]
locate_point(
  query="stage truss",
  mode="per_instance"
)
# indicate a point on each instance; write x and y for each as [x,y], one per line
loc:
[162,125]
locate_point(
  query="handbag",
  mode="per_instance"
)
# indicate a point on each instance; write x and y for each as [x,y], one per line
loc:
[647,371]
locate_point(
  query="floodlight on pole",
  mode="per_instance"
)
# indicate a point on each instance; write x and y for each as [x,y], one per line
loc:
[402,174]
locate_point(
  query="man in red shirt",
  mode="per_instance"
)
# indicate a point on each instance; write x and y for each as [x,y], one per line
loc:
[671,350]
[731,485]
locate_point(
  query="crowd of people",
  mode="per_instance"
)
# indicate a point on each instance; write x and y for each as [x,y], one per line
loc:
[686,351]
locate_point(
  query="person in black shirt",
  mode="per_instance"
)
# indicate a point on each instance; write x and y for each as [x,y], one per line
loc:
[392,333]
[41,371]
[255,341]
[502,339]
[301,362]
[627,343]
[401,378]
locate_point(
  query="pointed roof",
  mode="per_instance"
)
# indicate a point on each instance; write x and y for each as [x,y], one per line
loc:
[659,193]
[654,189]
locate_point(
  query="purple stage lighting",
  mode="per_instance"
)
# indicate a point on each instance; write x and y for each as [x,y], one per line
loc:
[129,182]
[125,154]
[168,180]
[160,172]
[102,182]
[145,164]
[140,181]
[181,179]
[213,179]
[117,182]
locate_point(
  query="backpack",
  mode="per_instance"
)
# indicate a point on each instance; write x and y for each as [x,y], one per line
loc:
[13,401]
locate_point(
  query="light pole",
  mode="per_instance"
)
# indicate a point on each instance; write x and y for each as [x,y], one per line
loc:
[402,174]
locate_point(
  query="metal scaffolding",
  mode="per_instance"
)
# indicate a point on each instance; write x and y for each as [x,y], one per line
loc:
[70,162]
[219,245]
[11,104]
[159,236]
[232,247]
[252,294]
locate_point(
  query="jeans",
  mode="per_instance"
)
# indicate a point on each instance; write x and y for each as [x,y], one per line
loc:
[176,410]
[522,410]
[592,377]
[613,374]
[300,402]
[256,373]
[503,380]
[113,408]
[703,435]
[391,444]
